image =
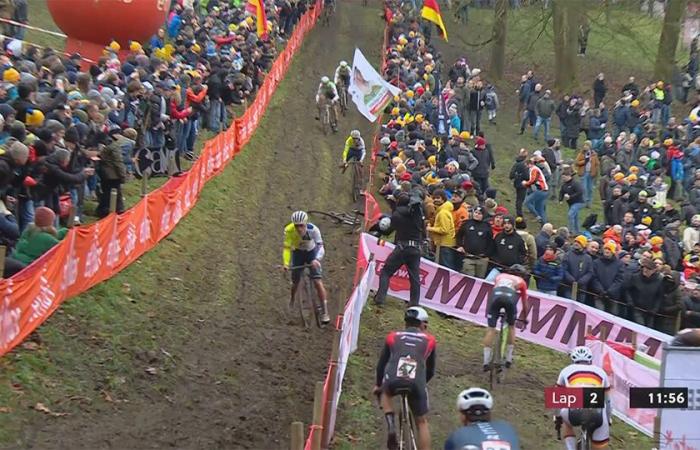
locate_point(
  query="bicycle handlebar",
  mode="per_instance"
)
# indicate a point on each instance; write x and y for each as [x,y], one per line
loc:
[557,426]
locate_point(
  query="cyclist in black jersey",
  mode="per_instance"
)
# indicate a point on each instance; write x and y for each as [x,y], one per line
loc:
[479,430]
[407,363]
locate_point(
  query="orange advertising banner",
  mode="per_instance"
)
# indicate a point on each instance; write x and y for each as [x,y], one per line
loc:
[91,254]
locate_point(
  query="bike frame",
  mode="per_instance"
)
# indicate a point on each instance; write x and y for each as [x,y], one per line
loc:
[407,431]
[306,294]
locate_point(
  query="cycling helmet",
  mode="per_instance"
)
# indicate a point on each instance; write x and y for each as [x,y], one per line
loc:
[689,337]
[517,269]
[581,354]
[300,218]
[416,313]
[474,400]
[386,140]
[343,64]
[355,134]
[385,223]
[325,80]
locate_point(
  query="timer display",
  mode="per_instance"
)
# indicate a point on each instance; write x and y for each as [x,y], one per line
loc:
[659,397]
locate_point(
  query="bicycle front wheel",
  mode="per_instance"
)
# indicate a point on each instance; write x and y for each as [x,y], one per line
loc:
[303,301]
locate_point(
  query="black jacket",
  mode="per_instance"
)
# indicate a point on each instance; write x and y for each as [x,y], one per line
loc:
[575,191]
[476,238]
[486,162]
[407,221]
[643,292]
[509,249]
[519,173]
[541,241]
[607,276]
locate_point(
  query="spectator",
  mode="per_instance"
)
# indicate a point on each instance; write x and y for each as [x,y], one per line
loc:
[39,237]
[587,166]
[578,268]
[691,235]
[607,279]
[491,103]
[599,89]
[643,293]
[509,246]
[484,156]
[530,245]
[672,303]
[442,233]
[476,243]
[112,175]
[572,193]
[544,238]
[530,115]
[460,212]
[552,155]
[520,173]
[544,108]
[536,199]
[691,306]
[548,271]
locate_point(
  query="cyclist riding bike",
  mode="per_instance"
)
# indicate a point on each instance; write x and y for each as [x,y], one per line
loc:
[329,93]
[303,245]
[479,431]
[507,288]
[407,362]
[582,373]
[342,75]
[354,148]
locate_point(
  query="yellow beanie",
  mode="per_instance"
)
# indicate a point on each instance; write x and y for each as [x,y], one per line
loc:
[11,75]
[114,46]
[646,220]
[656,240]
[35,119]
[134,46]
[581,240]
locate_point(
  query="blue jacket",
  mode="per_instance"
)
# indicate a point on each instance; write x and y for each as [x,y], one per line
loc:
[621,115]
[577,267]
[548,274]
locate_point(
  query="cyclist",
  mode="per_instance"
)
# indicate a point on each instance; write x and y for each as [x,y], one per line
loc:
[407,362]
[583,374]
[507,288]
[327,92]
[479,431]
[303,245]
[342,75]
[354,148]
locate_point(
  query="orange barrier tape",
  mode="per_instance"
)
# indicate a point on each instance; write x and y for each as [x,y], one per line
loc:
[89,255]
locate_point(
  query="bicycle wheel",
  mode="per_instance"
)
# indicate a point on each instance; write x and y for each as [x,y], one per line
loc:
[325,119]
[304,301]
[343,101]
[495,359]
[410,424]
[314,302]
[502,344]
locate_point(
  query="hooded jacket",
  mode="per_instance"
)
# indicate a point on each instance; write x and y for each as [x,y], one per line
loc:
[549,274]
[443,232]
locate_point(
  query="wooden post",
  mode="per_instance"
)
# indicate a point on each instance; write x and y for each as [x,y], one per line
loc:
[574,291]
[437,254]
[679,318]
[144,182]
[297,442]
[172,167]
[113,201]
[3,250]
[317,427]
[326,436]
[71,217]
[634,340]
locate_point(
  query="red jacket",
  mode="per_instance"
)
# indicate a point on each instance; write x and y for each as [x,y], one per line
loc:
[178,113]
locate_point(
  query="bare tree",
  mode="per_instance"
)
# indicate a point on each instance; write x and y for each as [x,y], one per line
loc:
[498,51]
[670,34]
[567,16]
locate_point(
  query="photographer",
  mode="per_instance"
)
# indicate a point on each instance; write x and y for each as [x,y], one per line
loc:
[408,222]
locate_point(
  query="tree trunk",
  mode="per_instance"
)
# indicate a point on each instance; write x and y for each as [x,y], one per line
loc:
[566,20]
[670,34]
[498,51]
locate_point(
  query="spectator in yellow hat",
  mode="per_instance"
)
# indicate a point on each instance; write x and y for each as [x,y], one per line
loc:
[578,269]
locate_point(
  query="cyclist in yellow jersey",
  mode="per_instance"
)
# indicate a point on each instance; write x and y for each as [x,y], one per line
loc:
[354,148]
[303,245]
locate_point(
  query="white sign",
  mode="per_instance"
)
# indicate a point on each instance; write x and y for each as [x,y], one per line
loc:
[368,89]
[679,429]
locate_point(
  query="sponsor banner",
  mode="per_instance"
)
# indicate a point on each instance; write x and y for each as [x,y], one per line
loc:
[623,374]
[554,322]
[349,335]
[368,89]
[678,428]
[90,254]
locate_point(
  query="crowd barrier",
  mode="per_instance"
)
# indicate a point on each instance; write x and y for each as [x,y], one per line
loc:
[91,254]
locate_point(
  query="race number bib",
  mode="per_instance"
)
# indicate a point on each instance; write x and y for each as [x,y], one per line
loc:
[495,445]
[407,368]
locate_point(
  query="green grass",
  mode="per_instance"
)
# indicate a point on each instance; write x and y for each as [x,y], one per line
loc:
[40,17]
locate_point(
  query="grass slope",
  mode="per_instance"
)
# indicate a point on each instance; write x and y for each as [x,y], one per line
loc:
[615,47]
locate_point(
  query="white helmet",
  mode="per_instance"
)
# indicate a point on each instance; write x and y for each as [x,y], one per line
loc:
[300,218]
[416,313]
[472,397]
[325,80]
[343,63]
[581,354]
[355,134]
[384,223]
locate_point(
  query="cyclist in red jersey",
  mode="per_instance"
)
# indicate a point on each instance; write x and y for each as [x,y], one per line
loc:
[507,288]
[407,363]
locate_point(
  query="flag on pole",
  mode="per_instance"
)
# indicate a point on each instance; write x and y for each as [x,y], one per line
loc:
[442,111]
[370,92]
[258,8]
[431,12]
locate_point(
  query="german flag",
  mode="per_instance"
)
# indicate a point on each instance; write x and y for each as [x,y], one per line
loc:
[258,8]
[585,379]
[431,12]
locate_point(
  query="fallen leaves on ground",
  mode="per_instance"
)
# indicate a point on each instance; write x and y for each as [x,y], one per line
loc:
[43,408]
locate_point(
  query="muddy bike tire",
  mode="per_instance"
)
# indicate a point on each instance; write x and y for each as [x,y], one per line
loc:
[407,427]
[356,182]
[496,364]
[304,301]
[314,302]
[325,120]
[343,101]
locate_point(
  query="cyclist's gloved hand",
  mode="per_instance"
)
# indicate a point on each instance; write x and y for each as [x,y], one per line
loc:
[316,264]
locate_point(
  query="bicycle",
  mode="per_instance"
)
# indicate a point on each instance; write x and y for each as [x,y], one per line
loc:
[406,435]
[327,118]
[328,11]
[497,370]
[343,96]
[357,178]
[306,299]
[590,420]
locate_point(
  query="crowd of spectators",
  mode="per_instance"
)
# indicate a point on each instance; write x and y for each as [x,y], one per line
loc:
[640,261]
[73,129]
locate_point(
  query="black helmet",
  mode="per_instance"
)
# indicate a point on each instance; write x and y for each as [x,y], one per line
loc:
[517,269]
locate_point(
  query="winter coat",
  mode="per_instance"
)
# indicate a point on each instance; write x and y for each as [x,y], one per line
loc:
[33,243]
[672,250]
[486,162]
[572,123]
[112,165]
[545,107]
[607,277]
[530,246]
[541,241]
[581,163]
[643,292]
[578,267]
[519,173]
[532,100]
[443,231]
[548,275]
